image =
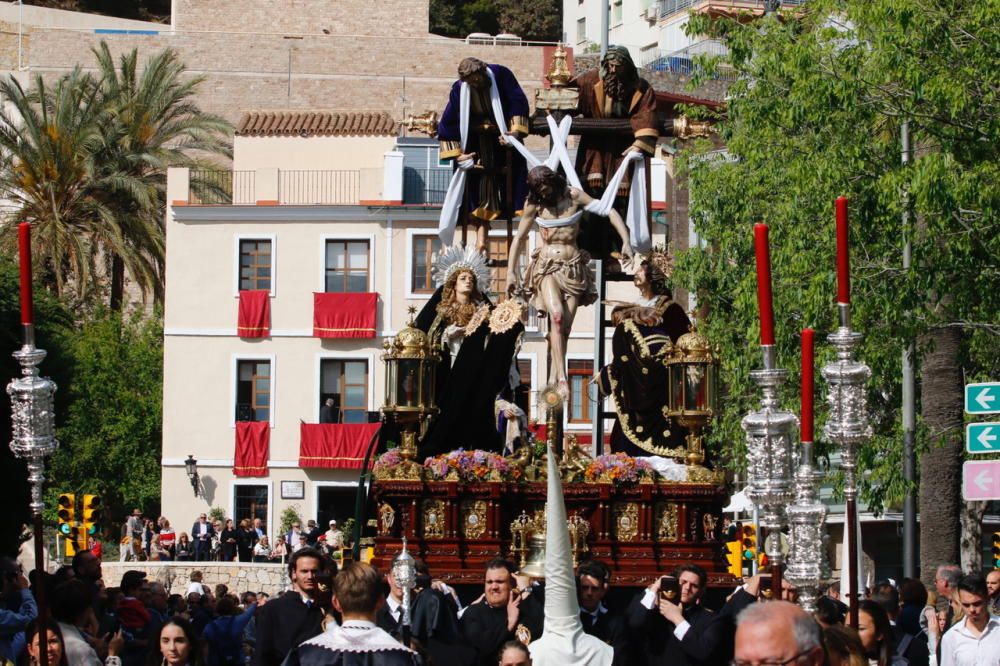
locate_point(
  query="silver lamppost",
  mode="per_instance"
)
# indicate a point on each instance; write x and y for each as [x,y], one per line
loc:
[404,572]
[32,421]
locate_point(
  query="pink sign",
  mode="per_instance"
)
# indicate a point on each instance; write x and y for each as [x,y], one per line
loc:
[981,480]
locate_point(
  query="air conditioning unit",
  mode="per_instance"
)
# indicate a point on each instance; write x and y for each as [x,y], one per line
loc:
[653,12]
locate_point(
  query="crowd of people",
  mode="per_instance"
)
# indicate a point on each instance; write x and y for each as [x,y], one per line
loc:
[354,610]
[144,539]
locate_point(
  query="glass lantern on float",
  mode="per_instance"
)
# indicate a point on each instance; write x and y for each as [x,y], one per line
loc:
[410,374]
[693,371]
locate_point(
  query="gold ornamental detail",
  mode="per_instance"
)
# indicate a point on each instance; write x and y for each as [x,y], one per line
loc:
[627,521]
[473,519]
[386,519]
[666,522]
[433,518]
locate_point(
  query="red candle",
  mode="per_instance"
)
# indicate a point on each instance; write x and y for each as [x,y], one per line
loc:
[764,284]
[24,246]
[843,259]
[807,385]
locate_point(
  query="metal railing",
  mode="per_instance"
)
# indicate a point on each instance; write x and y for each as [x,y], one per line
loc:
[425,186]
[213,187]
[671,7]
[319,187]
[683,61]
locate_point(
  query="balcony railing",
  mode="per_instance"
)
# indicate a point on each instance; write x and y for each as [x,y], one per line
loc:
[319,187]
[210,186]
[671,7]
[683,60]
[425,186]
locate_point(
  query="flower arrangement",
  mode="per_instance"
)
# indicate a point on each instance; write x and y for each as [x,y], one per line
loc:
[386,463]
[467,466]
[619,469]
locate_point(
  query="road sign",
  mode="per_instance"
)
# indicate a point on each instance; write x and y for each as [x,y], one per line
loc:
[981,480]
[982,398]
[982,437]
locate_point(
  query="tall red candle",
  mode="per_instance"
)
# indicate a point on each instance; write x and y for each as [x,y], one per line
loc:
[24,247]
[764,284]
[807,384]
[843,257]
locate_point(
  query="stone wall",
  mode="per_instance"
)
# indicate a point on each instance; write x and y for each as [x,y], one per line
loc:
[175,576]
[387,18]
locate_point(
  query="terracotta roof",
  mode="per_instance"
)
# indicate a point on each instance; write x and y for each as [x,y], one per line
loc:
[316,123]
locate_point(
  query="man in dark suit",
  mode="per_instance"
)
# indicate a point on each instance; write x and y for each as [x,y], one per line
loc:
[201,536]
[592,580]
[294,617]
[501,616]
[680,632]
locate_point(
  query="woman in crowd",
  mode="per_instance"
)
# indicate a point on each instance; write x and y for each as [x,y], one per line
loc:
[53,639]
[843,647]
[224,635]
[178,645]
[280,550]
[196,585]
[245,538]
[184,551]
[262,551]
[876,635]
[168,538]
[157,553]
[228,539]
[149,529]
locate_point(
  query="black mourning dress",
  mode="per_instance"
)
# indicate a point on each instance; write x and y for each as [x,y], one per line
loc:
[466,390]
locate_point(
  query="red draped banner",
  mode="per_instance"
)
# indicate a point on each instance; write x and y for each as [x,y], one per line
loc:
[334,445]
[344,315]
[253,439]
[255,314]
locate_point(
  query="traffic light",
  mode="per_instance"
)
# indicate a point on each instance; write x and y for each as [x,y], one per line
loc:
[749,544]
[996,550]
[67,522]
[91,514]
[734,556]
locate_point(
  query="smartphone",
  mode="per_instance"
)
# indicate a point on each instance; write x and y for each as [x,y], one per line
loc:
[109,625]
[765,586]
[670,589]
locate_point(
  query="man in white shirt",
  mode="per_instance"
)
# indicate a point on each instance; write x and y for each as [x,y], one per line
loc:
[974,641]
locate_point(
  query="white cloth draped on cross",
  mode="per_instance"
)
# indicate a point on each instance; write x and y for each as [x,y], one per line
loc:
[635,218]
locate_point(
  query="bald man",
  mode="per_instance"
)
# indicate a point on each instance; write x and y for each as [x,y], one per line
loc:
[993,587]
[763,636]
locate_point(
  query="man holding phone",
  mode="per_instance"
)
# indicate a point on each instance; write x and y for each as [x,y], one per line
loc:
[672,623]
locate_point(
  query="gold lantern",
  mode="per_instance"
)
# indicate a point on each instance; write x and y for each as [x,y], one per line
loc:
[693,389]
[410,374]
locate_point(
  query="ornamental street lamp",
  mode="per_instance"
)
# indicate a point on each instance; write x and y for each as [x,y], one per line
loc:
[692,389]
[191,467]
[410,374]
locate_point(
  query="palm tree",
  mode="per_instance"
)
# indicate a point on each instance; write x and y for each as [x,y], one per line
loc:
[152,123]
[86,161]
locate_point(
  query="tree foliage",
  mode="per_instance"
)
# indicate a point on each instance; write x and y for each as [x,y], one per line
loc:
[111,436]
[815,113]
[529,19]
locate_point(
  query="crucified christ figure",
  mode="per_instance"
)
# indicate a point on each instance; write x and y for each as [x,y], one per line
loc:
[558,279]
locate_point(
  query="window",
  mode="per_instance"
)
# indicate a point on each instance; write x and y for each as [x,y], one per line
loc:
[424,249]
[580,373]
[253,391]
[497,247]
[347,266]
[581,29]
[345,382]
[255,264]
[616,12]
[250,502]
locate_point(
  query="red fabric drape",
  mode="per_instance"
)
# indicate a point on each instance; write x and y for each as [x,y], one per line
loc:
[255,314]
[334,445]
[344,315]
[253,439]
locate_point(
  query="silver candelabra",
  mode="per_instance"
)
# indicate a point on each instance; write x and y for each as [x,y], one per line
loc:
[770,457]
[848,426]
[806,517]
[404,572]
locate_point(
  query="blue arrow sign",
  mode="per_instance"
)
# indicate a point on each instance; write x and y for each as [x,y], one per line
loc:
[982,437]
[982,398]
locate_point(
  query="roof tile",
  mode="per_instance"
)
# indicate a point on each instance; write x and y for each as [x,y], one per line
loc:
[317,123]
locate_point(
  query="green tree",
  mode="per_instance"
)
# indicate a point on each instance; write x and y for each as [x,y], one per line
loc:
[815,113]
[529,19]
[111,438]
[539,20]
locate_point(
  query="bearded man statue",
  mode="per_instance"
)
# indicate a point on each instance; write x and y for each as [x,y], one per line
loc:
[614,90]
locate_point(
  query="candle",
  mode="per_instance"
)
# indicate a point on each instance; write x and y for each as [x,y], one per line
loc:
[843,260]
[807,385]
[764,284]
[24,246]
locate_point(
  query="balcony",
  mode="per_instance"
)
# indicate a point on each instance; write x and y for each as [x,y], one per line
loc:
[668,8]
[425,186]
[683,61]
